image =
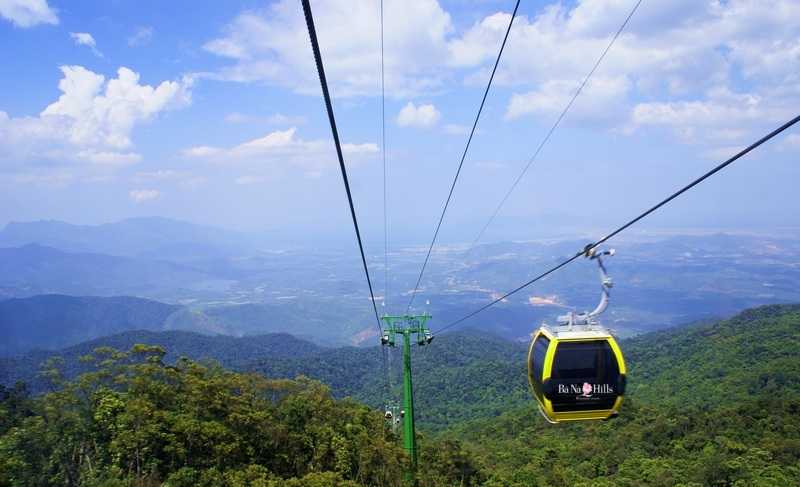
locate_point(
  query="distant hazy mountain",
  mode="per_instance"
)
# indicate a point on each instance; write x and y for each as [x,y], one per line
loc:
[155,237]
[55,321]
[35,269]
[321,294]
[231,352]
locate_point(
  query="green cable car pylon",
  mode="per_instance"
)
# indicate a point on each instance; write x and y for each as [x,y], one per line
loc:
[406,326]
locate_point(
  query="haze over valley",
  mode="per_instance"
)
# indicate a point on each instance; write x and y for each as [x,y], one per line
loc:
[208,280]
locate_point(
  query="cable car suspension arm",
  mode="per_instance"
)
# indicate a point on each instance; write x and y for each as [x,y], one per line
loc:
[583,319]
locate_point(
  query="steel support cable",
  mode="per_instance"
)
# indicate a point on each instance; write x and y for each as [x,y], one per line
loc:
[554,127]
[463,157]
[383,151]
[627,225]
[312,33]
[387,358]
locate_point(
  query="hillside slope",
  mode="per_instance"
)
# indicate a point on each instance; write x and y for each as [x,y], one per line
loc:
[130,237]
[466,376]
[54,321]
[35,269]
[458,376]
[231,352]
[753,353]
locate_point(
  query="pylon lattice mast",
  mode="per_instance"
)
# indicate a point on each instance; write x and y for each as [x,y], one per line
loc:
[406,326]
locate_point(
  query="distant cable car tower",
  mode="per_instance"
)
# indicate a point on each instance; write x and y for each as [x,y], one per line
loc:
[406,326]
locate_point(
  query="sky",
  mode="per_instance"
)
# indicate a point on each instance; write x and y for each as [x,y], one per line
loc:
[211,112]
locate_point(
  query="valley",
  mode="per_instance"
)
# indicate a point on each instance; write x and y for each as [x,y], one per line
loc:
[236,287]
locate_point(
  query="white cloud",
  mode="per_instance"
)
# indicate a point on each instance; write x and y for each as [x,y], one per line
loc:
[418,116]
[737,108]
[109,158]
[27,13]
[85,39]
[105,112]
[355,149]
[604,99]
[92,120]
[671,65]
[721,116]
[274,119]
[480,42]
[791,141]
[272,45]
[159,175]
[51,179]
[54,177]
[284,147]
[142,195]
[141,37]
[722,153]
[202,151]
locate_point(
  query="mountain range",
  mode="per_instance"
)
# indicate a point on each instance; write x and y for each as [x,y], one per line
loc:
[227,283]
[753,353]
[143,237]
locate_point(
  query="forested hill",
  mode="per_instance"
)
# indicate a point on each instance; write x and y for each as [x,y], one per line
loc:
[456,377]
[471,375]
[753,353]
[712,404]
[484,374]
[54,321]
[231,352]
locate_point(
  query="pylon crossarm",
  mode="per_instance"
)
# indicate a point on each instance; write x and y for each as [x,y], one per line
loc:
[405,326]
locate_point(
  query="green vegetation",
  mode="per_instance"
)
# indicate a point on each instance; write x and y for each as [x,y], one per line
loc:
[711,404]
[756,442]
[752,354]
[456,377]
[137,421]
[231,352]
[53,321]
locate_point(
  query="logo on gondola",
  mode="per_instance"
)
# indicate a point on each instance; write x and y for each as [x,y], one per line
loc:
[586,390]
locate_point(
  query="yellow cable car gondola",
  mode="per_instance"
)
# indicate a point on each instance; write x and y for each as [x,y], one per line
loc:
[576,370]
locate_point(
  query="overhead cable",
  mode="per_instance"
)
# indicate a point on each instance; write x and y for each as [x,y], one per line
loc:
[312,33]
[463,157]
[554,127]
[627,225]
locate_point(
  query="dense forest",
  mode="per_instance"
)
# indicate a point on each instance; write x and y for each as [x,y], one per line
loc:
[490,365]
[709,404]
[137,421]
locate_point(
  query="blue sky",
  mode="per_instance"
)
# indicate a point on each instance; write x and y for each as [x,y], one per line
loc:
[211,112]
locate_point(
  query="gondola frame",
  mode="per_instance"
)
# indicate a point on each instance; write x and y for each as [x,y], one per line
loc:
[555,338]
